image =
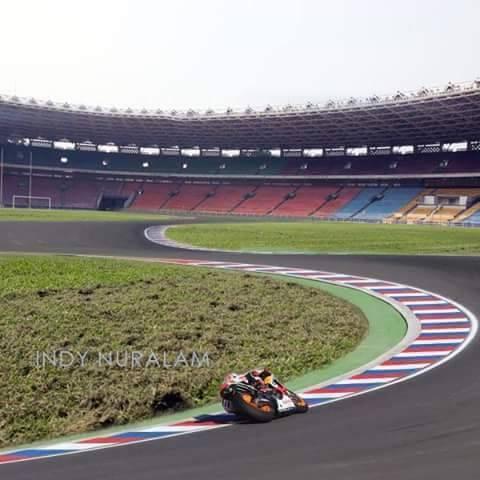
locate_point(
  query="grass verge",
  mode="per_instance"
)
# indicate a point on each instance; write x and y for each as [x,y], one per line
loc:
[51,304]
[324,237]
[39,215]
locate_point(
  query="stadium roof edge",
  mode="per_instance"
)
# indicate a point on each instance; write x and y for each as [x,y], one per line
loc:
[347,104]
[447,114]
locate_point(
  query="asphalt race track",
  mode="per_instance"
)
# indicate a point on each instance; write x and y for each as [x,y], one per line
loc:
[426,428]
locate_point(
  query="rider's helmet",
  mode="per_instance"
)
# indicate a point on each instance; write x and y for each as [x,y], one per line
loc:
[234,378]
[266,376]
[262,375]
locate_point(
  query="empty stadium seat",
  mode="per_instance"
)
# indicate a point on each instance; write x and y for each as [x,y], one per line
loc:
[475,218]
[391,200]
[469,214]
[360,201]
[306,200]
[153,196]
[266,198]
[189,196]
[445,213]
[225,198]
[336,202]
[419,213]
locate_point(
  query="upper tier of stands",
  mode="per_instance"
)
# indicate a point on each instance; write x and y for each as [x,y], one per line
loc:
[392,165]
[460,162]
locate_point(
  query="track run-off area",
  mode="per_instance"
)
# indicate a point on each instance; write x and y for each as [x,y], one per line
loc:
[425,428]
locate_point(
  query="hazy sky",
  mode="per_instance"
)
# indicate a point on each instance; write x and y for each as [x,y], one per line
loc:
[218,53]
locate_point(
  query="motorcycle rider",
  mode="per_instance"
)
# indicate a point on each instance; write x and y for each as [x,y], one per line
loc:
[260,378]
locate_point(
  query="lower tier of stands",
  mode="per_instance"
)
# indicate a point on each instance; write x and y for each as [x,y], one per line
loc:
[359,202]
[343,196]
[189,196]
[475,218]
[441,205]
[154,196]
[62,192]
[337,202]
[226,198]
[386,203]
[305,201]
[263,200]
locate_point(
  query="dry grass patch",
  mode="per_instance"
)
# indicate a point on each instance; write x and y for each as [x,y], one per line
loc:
[83,305]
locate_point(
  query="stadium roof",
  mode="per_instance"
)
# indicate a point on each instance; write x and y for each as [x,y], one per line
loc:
[449,114]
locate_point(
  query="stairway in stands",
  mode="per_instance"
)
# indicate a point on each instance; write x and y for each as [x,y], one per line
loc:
[361,200]
[342,197]
[265,199]
[306,200]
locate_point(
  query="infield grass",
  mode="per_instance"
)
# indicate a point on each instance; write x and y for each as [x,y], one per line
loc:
[49,304]
[326,237]
[41,215]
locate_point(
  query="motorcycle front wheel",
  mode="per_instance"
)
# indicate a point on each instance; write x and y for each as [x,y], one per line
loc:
[300,403]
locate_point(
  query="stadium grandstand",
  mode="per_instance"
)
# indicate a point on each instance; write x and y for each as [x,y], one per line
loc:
[409,157]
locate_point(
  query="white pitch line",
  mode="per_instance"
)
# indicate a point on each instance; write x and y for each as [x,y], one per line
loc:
[329,276]
[306,273]
[263,269]
[403,366]
[419,311]
[203,264]
[442,321]
[438,342]
[437,319]
[425,302]
[361,381]
[233,266]
[413,294]
[363,280]
[422,353]
[287,272]
[387,287]
[324,395]
[445,330]
[76,446]
[176,428]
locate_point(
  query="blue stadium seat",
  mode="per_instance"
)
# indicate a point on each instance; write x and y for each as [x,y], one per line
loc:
[393,199]
[475,218]
[360,201]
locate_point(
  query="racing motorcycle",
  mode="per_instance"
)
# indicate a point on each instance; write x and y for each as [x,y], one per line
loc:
[259,396]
